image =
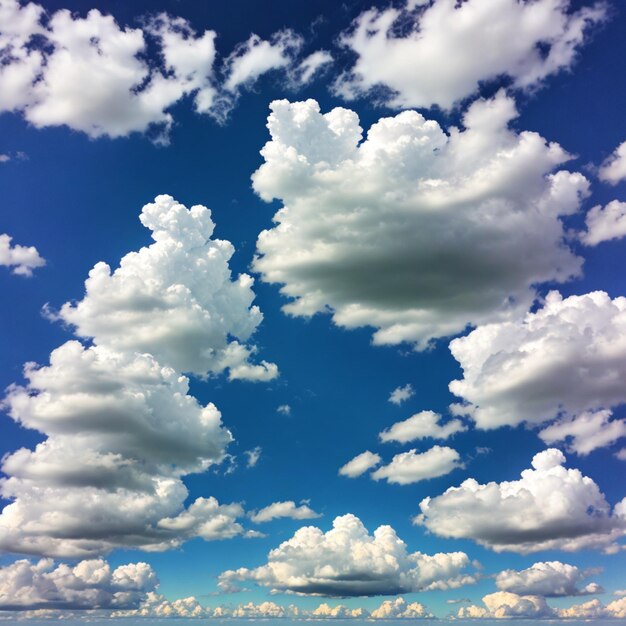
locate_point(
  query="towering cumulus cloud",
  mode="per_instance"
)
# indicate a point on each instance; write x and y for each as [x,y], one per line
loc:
[413,231]
[348,561]
[174,299]
[121,430]
[454,46]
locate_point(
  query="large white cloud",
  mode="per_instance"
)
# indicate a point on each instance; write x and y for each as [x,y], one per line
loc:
[348,561]
[549,508]
[446,49]
[549,579]
[21,259]
[121,433]
[412,466]
[421,425]
[567,357]
[175,298]
[91,584]
[412,231]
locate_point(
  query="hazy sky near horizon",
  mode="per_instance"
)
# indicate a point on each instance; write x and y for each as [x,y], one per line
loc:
[312,310]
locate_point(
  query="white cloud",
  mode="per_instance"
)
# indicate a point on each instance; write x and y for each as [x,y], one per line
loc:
[155,605]
[91,584]
[621,454]
[283,509]
[400,609]
[594,609]
[132,432]
[21,259]
[420,426]
[585,432]
[348,561]
[175,298]
[310,66]
[567,357]
[401,394]
[550,579]
[340,611]
[613,170]
[411,467]
[605,223]
[284,409]
[360,464]
[253,456]
[454,47]
[412,231]
[506,605]
[548,508]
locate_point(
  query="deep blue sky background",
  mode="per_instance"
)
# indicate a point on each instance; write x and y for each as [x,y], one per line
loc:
[77,200]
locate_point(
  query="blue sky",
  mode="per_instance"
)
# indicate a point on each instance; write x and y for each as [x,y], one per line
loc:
[492,178]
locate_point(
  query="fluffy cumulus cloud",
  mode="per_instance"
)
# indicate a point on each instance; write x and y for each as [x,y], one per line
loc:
[21,259]
[90,584]
[456,46]
[594,609]
[605,223]
[413,231]
[174,299]
[420,426]
[549,508]
[287,509]
[567,357]
[120,428]
[549,579]
[585,432]
[401,609]
[613,170]
[506,605]
[401,394]
[349,561]
[412,466]
[360,464]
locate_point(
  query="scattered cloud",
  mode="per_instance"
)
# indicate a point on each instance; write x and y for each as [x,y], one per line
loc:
[605,223]
[506,605]
[567,357]
[310,66]
[401,609]
[283,509]
[413,231]
[585,432]
[253,456]
[90,584]
[21,259]
[401,394]
[550,579]
[548,508]
[174,299]
[360,464]
[348,561]
[613,170]
[455,47]
[420,426]
[284,409]
[411,467]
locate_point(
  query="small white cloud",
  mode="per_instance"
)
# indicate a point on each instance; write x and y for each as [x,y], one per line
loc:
[349,561]
[310,66]
[401,609]
[506,605]
[613,170]
[420,426]
[21,259]
[586,432]
[411,467]
[286,509]
[401,394]
[360,464]
[253,456]
[605,223]
[284,409]
[548,508]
